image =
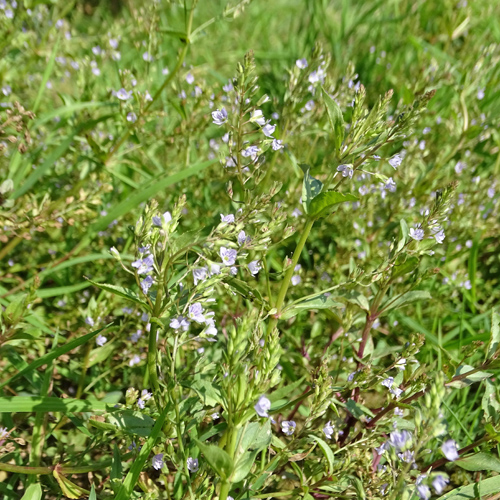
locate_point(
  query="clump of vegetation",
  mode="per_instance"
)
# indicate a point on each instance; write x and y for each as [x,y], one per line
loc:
[249,250]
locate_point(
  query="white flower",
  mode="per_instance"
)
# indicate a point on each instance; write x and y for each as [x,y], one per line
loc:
[440,236]
[262,407]
[254,267]
[89,321]
[228,256]
[288,427]
[101,340]
[219,116]
[328,430]
[296,279]
[200,274]
[301,63]
[196,313]
[192,464]
[449,449]
[257,117]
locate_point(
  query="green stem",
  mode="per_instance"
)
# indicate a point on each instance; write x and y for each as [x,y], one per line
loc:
[10,246]
[288,276]
[21,469]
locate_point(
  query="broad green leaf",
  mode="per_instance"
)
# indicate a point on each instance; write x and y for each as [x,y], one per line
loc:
[320,302]
[336,119]
[33,492]
[208,391]
[47,358]
[489,403]
[217,458]
[131,478]
[479,461]
[471,379]
[404,267]
[243,466]
[15,309]
[311,188]
[406,298]
[254,436]
[475,490]
[125,293]
[132,422]
[322,204]
[495,334]
[28,404]
[357,298]
[327,451]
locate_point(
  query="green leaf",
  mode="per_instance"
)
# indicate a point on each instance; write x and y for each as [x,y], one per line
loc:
[47,358]
[282,392]
[357,409]
[217,458]
[479,461]
[336,119]
[489,403]
[471,379]
[28,404]
[357,298]
[320,302]
[322,204]
[61,290]
[71,490]
[406,298]
[495,334]
[92,495]
[33,492]
[132,422]
[254,436]
[131,478]
[15,309]
[327,451]
[404,267]
[125,293]
[208,392]
[243,466]
[473,491]
[405,231]
[311,188]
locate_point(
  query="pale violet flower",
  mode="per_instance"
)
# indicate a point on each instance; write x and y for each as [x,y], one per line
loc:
[395,161]
[89,321]
[192,464]
[190,78]
[449,449]
[309,106]
[146,284]
[423,492]
[388,382]
[179,323]
[132,117]
[158,461]
[254,267]
[195,313]
[301,63]
[146,395]
[346,170]
[228,87]
[328,429]
[263,406]
[200,274]
[101,340]
[210,329]
[296,213]
[400,440]
[251,152]
[123,95]
[228,219]
[440,236]
[243,238]
[296,279]
[268,130]
[214,269]
[277,144]
[460,166]
[417,233]
[215,416]
[288,427]
[144,266]
[228,256]
[390,185]
[480,94]
[164,219]
[134,360]
[147,57]
[317,76]
[439,483]
[219,116]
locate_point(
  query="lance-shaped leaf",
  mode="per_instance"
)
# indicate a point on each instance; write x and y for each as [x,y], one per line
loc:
[336,119]
[217,458]
[311,188]
[322,204]
[126,293]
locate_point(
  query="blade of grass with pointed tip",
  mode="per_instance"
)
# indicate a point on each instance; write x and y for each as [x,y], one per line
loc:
[47,358]
[28,404]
